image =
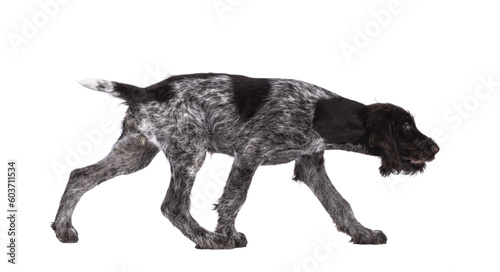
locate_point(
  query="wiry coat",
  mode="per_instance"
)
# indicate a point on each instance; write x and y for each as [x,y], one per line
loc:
[258,122]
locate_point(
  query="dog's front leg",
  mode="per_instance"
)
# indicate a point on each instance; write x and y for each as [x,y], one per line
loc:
[310,169]
[234,196]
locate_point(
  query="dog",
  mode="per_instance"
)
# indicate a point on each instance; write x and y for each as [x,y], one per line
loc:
[257,121]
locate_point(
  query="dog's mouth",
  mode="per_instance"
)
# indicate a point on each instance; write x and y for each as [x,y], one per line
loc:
[415,165]
[419,160]
[412,166]
[415,161]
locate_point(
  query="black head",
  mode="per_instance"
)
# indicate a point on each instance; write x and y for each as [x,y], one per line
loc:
[394,136]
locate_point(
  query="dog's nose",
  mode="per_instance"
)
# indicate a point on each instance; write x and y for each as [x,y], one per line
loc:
[435,148]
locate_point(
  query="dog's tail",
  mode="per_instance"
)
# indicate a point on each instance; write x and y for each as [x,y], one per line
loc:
[131,94]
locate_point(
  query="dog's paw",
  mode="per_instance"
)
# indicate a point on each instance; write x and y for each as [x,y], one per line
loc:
[215,241]
[240,240]
[65,233]
[383,172]
[369,237]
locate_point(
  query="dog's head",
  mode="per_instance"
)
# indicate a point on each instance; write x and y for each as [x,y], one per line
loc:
[395,137]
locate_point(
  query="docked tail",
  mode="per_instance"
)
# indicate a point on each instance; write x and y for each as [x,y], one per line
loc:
[131,94]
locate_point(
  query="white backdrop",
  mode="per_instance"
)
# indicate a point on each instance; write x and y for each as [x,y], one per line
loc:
[439,59]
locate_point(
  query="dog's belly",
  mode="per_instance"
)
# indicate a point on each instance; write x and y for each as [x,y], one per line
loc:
[272,159]
[278,152]
[281,157]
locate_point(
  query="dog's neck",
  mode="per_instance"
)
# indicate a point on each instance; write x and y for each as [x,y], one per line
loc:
[342,125]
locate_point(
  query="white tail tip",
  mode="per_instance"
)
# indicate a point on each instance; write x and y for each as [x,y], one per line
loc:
[98,85]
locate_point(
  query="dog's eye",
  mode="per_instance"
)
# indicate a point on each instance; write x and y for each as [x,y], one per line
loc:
[407,126]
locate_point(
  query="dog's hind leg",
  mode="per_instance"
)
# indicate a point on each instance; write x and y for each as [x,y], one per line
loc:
[311,170]
[131,153]
[176,206]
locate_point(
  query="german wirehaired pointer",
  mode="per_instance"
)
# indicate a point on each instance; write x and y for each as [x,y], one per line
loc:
[258,122]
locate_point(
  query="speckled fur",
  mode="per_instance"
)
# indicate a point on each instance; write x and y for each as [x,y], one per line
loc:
[185,117]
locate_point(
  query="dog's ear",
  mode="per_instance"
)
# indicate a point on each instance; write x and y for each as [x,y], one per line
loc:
[380,125]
